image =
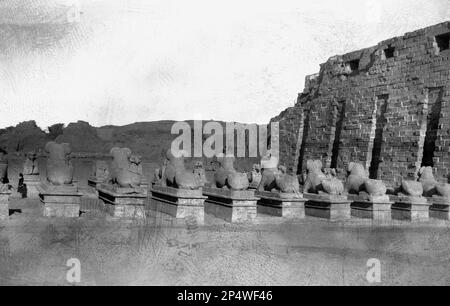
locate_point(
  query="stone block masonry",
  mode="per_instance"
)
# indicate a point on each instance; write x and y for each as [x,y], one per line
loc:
[386,106]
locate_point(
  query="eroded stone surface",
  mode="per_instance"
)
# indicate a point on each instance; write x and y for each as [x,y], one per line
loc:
[290,206]
[276,178]
[426,178]
[126,168]
[328,206]
[173,173]
[356,179]
[123,202]
[59,166]
[255,176]
[227,177]
[230,193]
[178,203]
[60,200]
[411,189]
[4,204]
[238,211]
[443,190]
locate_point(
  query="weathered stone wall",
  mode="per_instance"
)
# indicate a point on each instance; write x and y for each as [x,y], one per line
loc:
[379,106]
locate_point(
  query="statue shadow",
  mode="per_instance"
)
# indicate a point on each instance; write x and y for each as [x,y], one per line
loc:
[14,211]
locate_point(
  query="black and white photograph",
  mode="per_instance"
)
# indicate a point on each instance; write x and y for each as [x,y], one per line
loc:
[206,145]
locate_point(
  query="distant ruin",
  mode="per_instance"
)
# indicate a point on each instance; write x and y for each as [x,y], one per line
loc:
[387,107]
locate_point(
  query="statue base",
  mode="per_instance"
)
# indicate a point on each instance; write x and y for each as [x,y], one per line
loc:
[370,207]
[410,208]
[32,182]
[123,202]
[327,206]
[60,201]
[178,203]
[94,182]
[91,202]
[285,205]
[231,205]
[4,204]
[440,208]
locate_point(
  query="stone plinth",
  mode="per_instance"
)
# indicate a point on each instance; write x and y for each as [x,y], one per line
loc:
[231,205]
[4,204]
[326,206]
[60,201]
[178,203]
[32,182]
[123,202]
[440,208]
[371,207]
[286,205]
[94,182]
[90,202]
[410,208]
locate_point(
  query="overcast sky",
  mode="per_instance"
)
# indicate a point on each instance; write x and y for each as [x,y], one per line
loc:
[122,61]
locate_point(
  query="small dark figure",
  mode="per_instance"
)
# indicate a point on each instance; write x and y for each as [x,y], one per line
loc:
[22,188]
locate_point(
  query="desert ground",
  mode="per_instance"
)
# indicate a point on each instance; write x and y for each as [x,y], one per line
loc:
[163,251]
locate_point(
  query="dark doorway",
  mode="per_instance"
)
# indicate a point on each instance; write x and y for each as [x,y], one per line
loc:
[304,139]
[434,114]
[443,41]
[339,116]
[382,103]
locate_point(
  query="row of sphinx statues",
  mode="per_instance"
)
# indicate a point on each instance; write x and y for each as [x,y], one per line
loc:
[174,173]
[126,171]
[358,182]
[59,168]
[270,176]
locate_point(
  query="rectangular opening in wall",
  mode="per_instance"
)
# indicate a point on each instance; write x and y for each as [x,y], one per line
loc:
[304,139]
[434,114]
[353,65]
[381,105]
[443,41]
[338,119]
[389,52]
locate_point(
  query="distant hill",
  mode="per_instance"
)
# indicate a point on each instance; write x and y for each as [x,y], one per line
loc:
[148,139]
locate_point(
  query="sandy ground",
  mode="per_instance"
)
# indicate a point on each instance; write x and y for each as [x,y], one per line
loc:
[163,251]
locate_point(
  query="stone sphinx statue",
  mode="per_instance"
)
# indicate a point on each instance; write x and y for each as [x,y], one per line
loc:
[227,177]
[3,167]
[411,188]
[332,185]
[269,171]
[158,174]
[426,178]
[356,178]
[319,182]
[174,173]
[431,186]
[443,190]
[126,168]
[59,166]
[200,172]
[358,182]
[285,182]
[375,188]
[100,171]
[276,178]
[314,177]
[30,166]
[255,176]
